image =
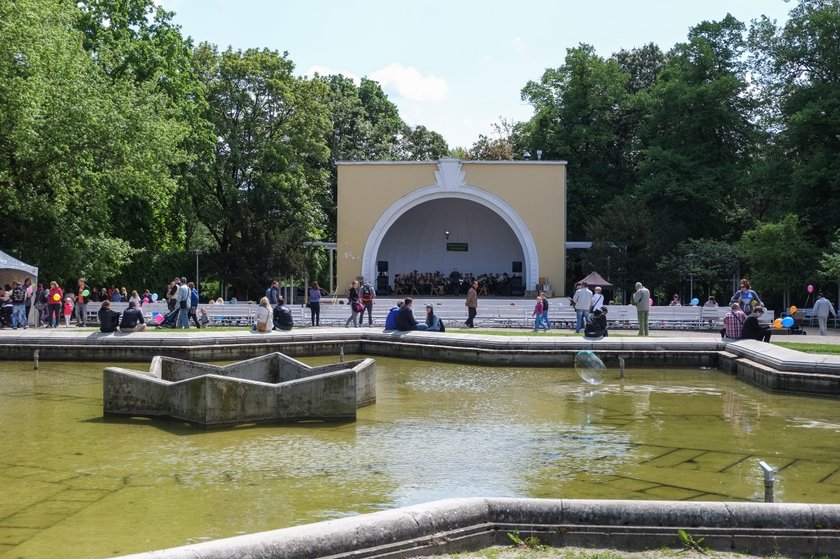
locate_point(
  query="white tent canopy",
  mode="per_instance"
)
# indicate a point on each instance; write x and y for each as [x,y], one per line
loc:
[12,269]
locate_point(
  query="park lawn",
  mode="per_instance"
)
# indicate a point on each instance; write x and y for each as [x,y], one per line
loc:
[827,349]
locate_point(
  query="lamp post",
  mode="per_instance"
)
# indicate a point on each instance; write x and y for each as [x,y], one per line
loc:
[197,252]
[690,276]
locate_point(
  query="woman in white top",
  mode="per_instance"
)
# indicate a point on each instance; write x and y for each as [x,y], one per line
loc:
[263,318]
[597,300]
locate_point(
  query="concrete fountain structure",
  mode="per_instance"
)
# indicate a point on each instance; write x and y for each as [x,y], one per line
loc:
[270,388]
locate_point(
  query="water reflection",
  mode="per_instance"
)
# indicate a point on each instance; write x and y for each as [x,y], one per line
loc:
[81,486]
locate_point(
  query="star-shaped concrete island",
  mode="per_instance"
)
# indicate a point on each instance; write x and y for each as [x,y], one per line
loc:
[270,388]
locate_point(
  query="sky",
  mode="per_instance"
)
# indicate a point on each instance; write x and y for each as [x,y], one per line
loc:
[455,66]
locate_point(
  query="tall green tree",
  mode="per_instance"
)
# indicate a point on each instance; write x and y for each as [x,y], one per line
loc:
[257,192]
[780,256]
[580,111]
[805,81]
[73,143]
[699,136]
[421,144]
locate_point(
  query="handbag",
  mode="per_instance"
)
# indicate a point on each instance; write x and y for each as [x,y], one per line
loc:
[358,307]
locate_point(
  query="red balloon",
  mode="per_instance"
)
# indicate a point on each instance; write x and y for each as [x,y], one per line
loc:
[810,288]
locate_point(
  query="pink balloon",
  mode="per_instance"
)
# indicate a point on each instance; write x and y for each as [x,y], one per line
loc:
[651,301]
[159,318]
[810,288]
[145,299]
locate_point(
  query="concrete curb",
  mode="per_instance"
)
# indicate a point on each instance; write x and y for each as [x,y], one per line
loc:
[456,525]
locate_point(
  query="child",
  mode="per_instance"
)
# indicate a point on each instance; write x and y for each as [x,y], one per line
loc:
[68,310]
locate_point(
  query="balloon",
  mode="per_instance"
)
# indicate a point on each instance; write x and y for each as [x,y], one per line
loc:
[810,288]
[793,309]
[85,293]
[154,296]
[753,303]
[787,322]
[155,313]
[651,301]
[777,323]
[695,301]
[145,299]
[159,318]
[590,367]
[56,297]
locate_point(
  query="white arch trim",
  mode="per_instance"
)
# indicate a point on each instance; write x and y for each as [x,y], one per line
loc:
[465,192]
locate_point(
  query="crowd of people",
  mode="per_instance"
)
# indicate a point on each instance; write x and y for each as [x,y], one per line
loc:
[456,283]
[53,306]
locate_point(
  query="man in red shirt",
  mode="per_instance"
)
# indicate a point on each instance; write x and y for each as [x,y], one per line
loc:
[733,323]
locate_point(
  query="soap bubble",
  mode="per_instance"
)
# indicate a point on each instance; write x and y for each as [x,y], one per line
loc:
[590,367]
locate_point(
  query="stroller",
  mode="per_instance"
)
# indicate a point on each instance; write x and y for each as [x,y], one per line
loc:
[170,320]
[798,322]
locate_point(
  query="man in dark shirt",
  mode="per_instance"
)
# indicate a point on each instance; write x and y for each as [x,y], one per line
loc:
[405,318]
[132,319]
[753,330]
[596,324]
[282,316]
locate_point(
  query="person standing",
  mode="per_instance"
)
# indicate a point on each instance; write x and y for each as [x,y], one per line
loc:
[183,299]
[30,296]
[545,320]
[355,305]
[746,297]
[82,297]
[822,308]
[367,295]
[273,293]
[18,298]
[472,304]
[54,297]
[597,299]
[538,313]
[315,303]
[194,304]
[641,300]
[583,305]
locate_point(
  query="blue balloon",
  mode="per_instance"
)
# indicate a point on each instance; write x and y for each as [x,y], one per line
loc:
[695,301]
[787,321]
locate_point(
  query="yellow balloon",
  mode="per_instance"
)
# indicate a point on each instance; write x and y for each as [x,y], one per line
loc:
[777,323]
[792,309]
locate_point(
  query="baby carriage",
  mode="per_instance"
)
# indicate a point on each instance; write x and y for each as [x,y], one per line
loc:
[798,322]
[170,320]
[6,314]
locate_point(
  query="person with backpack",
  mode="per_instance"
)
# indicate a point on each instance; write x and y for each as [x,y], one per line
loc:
[273,293]
[18,298]
[194,304]
[545,321]
[366,295]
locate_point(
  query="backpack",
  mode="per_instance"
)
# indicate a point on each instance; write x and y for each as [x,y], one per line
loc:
[367,294]
[18,295]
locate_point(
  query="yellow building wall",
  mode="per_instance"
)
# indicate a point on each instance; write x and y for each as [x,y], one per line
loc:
[536,191]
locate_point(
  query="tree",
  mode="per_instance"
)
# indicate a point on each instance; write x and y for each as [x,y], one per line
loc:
[74,143]
[699,137]
[805,78]
[421,144]
[779,255]
[581,112]
[496,147]
[257,192]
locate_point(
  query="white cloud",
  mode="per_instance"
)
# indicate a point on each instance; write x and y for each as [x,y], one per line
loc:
[410,84]
[327,71]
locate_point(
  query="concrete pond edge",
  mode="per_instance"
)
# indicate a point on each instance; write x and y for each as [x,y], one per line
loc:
[469,524]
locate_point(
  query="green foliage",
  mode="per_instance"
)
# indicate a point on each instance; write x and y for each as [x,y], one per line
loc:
[779,254]
[531,542]
[830,261]
[258,190]
[689,542]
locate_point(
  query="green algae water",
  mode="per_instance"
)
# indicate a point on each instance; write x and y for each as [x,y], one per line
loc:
[76,485]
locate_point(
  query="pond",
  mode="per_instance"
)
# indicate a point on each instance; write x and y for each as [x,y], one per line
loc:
[80,486]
